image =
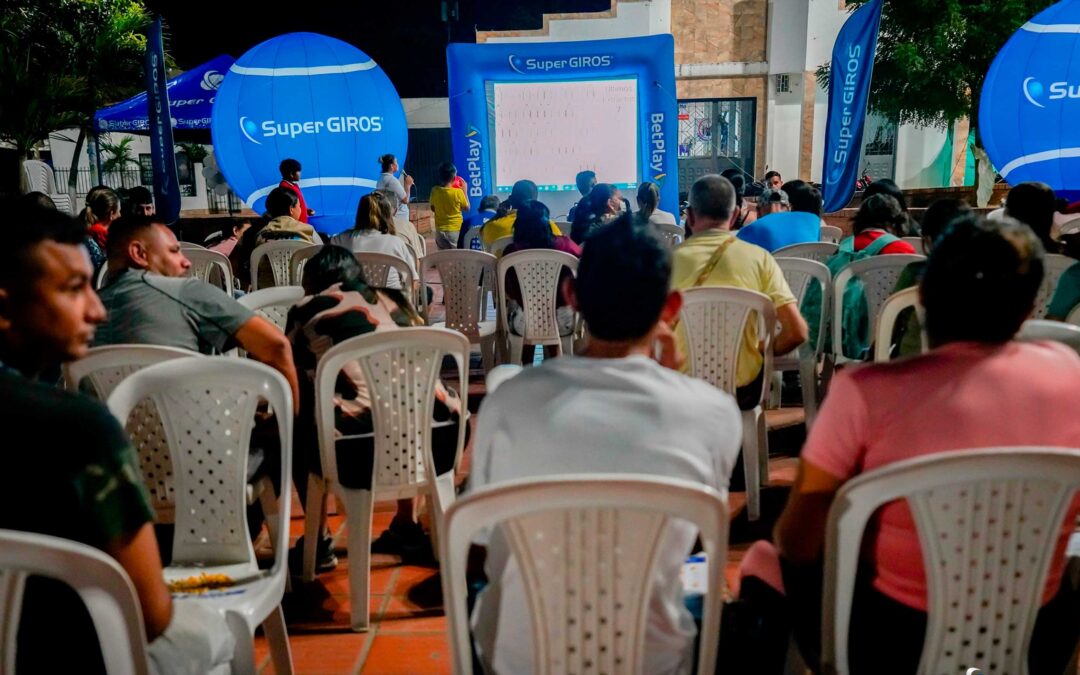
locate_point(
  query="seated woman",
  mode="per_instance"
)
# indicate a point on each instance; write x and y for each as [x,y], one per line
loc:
[339,306]
[374,232]
[976,388]
[284,210]
[648,201]
[532,231]
[598,208]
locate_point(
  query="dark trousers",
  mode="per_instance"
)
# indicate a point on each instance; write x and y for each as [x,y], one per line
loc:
[886,636]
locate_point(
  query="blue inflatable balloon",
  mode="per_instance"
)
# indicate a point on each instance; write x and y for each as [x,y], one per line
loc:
[1031,100]
[315,99]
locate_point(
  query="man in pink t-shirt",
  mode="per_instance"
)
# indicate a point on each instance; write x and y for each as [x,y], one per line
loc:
[976,389]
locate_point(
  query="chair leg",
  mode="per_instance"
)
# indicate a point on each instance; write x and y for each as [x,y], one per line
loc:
[751,463]
[517,345]
[269,503]
[359,506]
[314,517]
[808,379]
[487,352]
[763,448]
[774,393]
[567,345]
[277,637]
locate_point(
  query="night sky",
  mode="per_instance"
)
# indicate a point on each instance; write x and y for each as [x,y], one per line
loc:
[407,38]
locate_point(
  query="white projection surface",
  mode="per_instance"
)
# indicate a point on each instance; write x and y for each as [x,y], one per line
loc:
[549,131]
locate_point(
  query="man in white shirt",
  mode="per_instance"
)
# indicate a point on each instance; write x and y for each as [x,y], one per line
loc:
[613,409]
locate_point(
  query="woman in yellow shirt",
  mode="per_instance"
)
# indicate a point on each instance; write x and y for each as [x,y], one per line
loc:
[447,202]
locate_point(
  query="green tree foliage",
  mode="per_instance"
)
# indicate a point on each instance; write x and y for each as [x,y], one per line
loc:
[933,56]
[66,59]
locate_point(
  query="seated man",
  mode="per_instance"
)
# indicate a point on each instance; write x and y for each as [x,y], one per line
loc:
[800,225]
[150,301]
[679,427]
[713,256]
[71,471]
[976,388]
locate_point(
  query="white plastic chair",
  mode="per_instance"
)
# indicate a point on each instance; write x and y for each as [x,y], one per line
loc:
[538,272]
[278,255]
[1054,265]
[298,260]
[102,585]
[191,246]
[207,407]
[890,311]
[1074,317]
[39,177]
[716,321]
[376,267]
[831,234]
[210,266]
[673,235]
[981,606]
[588,603]
[467,277]
[99,278]
[273,304]
[818,251]
[916,243]
[401,369]
[1041,329]
[800,273]
[496,248]
[879,275]
[104,368]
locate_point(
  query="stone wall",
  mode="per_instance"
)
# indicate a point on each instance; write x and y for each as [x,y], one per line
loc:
[719,31]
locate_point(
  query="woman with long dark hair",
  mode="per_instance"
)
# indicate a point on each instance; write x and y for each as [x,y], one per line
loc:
[601,206]
[388,181]
[339,306]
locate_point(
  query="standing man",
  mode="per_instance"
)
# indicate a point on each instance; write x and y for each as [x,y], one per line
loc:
[585,180]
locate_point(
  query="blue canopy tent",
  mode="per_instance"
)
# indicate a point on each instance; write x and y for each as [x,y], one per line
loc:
[191,97]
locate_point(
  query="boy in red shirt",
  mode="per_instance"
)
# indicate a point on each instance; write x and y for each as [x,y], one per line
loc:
[290,180]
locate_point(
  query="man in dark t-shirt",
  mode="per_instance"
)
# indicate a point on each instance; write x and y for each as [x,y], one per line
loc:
[69,469]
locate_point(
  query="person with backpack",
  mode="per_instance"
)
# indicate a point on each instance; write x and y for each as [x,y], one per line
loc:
[874,234]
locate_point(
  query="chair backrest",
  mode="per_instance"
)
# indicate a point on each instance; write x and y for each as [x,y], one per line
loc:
[818,251]
[210,266]
[831,234]
[473,233]
[886,321]
[105,368]
[496,248]
[878,275]
[716,321]
[1054,265]
[278,255]
[375,268]
[466,277]
[988,521]
[916,243]
[191,246]
[207,408]
[103,271]
[589,603]
[298,260]
[273,304]
[39,176]
[400,368]
[101,584]
[801,274]
[673,235]
[538,271]
[1074,316]
[1041,329]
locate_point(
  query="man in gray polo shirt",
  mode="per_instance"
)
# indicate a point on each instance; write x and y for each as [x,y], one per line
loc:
[149,301]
